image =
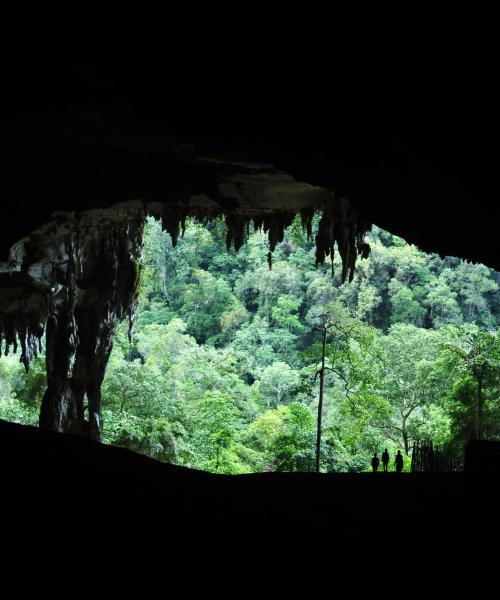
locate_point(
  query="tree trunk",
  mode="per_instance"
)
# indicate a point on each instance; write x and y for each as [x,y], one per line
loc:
[404,432]
[479,409]
[217,458]
[320,403]
[406,443]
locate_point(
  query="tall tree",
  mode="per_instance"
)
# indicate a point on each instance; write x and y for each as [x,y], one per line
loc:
[407,378]
[216,429]
[340,330]
[475,355]
[277,381]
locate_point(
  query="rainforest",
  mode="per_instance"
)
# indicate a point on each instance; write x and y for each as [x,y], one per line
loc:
[231,351]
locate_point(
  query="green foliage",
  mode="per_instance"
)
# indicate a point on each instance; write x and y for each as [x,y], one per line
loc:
[153,437]
[284,438]
[20,392]
[215,432]
[407,378]
[471,358]
[221,370]
[277,382]
[442,301]
[405,307]
[205,300]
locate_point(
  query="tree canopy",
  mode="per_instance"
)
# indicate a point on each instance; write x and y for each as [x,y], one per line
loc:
[220,373]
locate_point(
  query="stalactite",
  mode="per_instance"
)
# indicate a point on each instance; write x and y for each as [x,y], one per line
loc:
[270,260]
[339,225]
[78,276]
[76,242]
[306,217]
[236,227]
[75,278]
[173,220]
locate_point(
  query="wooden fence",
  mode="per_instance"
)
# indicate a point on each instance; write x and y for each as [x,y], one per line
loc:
[427,459]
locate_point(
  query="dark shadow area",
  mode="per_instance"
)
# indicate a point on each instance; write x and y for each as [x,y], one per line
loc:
[483,457]
[53,483]
[416,154]
[408,142]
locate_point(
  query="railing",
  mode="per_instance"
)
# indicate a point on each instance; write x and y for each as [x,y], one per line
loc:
[427,459]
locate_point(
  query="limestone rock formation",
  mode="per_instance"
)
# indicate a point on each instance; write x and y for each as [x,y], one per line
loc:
[76,277]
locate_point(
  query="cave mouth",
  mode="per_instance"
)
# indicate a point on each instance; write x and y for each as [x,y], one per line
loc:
[77,276]
[220,369]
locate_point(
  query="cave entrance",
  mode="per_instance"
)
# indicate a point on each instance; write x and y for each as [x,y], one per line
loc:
[220,370]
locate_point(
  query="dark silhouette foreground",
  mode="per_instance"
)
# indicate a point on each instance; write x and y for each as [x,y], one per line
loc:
[399,462]
[71,489]
[385,459]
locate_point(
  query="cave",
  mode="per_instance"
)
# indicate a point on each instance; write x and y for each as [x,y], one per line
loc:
[82,172]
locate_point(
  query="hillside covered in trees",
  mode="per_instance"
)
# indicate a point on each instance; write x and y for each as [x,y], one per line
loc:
[221,372]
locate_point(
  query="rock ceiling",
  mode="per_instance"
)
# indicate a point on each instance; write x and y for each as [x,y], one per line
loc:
[78,179]
[76,276]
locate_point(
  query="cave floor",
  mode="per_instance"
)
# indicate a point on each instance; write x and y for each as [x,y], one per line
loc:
[62,485]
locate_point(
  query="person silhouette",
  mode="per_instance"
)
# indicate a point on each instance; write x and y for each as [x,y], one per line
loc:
[385,459]
[399,462]
[375,462]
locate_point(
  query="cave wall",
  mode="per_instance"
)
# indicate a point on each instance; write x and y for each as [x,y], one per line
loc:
[73,279]
[73,273]
[79,139]
[76,277]
[78,163]
[409,137]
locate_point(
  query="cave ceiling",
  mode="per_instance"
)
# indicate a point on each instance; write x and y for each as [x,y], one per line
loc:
[75,163]
[408,133]
[85,158]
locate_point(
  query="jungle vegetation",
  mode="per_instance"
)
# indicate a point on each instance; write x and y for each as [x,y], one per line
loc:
[222,370]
